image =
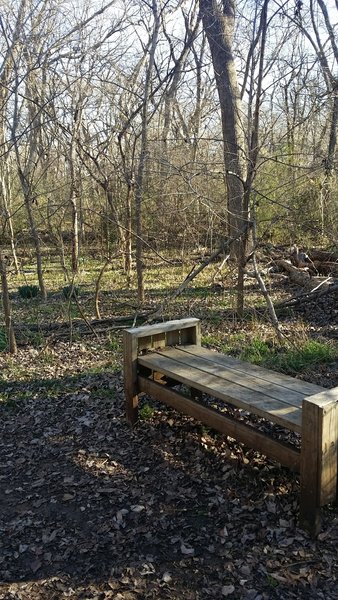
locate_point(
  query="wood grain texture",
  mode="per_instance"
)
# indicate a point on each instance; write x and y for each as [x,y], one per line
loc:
[238,395]
[297,385]
[162,327]
[318,457]
[130,351]
[284,393]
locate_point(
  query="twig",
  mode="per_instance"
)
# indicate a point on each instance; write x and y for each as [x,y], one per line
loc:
[317,291]
[195,271]
[261,283]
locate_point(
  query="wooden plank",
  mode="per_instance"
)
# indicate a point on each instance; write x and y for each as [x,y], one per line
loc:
[303,387]
[328,458]
[178,324]
[278,392]
[198,334]
[130,350]
[318,457]
[283,453]
[257,403]
[325,397]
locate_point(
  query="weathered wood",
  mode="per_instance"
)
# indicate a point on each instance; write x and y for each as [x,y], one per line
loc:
[151,337]
[318,456]
[130,351]
[159,340]
[143,343]
[297,385]
[173,338]
[283,453]
[298,275]
[179,324]
[283,393]
[255,402]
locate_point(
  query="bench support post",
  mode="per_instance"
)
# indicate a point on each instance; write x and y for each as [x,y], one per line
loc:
[130,376]
[318,456]
[152,337]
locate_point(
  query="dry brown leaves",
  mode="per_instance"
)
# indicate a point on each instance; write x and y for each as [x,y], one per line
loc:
[92,510]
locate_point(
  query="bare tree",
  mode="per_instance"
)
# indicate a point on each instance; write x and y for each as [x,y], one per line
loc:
[218,18]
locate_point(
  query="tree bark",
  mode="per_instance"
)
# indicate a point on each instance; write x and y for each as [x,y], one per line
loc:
[143,157]
[7,306]
[218,21]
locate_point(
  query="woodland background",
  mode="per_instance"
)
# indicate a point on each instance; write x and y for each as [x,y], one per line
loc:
[160,159]
[112,133]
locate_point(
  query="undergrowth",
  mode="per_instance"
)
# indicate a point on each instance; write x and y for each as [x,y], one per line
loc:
[3,339]
[291,360]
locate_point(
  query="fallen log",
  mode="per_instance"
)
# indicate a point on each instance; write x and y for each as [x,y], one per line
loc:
[322,255]
[326,267]
[64,329]
[324,288]
[299,275]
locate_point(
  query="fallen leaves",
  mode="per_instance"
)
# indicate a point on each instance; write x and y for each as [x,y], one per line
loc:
[93,510]
[228,590]
[187,550]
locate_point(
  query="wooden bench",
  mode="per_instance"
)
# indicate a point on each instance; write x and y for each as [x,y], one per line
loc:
[158,357]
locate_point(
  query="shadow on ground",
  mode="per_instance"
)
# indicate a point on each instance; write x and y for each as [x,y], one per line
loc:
[91,509]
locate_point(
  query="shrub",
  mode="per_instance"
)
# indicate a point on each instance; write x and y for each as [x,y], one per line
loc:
[71,291]
[28,291]
[310,353]
[146,412]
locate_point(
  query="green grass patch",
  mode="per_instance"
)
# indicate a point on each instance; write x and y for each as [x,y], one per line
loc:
[290,360]
[257,352]
[146,412]
[3,339]
[210,340]
[309,354]
[113,344]
[28,291]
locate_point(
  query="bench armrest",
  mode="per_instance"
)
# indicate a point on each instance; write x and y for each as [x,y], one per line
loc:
[171,333]
[139,340]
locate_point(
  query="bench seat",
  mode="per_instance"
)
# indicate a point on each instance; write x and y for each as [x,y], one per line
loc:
[273,396]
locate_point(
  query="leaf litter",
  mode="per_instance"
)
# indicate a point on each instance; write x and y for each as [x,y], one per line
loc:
[91,509]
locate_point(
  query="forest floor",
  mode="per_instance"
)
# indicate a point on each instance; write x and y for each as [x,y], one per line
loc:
[90,509]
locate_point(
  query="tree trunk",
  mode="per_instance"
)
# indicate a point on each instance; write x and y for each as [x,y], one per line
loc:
[5,194]
[218,22]
[143,157]
[28,198]
[127,247]
[7,306]
[73,201]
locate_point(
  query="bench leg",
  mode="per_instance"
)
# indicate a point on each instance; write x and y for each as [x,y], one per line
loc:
[318,459]
[130,377]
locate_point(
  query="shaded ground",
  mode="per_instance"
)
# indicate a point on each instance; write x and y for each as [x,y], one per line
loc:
[92,510]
